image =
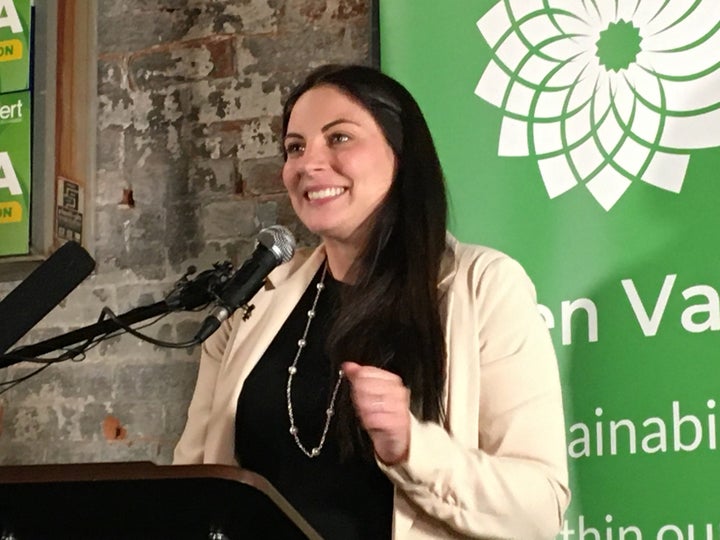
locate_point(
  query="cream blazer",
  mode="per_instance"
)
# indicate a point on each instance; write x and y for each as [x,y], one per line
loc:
[497,468]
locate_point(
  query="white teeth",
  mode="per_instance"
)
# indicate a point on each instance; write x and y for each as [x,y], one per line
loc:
[324,193]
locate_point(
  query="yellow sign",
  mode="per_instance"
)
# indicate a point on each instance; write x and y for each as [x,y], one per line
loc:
[11,49]
[10,212]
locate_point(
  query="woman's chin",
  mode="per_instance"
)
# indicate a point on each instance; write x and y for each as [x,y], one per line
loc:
[327,230]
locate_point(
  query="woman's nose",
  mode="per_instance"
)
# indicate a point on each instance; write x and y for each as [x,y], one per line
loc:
[315,157]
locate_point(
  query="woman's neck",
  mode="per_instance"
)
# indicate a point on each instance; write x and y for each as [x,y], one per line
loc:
[340,258]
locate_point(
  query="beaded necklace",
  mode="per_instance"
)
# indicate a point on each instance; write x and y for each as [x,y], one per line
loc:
[293,370]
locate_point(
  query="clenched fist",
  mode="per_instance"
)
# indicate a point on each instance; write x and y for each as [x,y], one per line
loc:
[382,404]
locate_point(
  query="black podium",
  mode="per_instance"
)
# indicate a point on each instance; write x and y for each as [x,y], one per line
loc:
[142,501]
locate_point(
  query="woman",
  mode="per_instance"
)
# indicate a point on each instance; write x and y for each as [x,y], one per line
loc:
[393,382]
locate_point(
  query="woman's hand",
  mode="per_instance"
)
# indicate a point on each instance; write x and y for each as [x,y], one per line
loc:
[382,404]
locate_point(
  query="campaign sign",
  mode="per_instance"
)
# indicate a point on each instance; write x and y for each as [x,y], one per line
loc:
[14,45]
[14,173]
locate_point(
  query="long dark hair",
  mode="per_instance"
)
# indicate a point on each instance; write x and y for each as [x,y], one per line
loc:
[390,317]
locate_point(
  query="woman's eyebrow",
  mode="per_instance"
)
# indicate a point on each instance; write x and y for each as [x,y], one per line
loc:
[329,125]
[336,122]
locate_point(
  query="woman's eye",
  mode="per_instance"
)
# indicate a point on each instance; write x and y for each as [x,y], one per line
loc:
[293,148]
[337,138]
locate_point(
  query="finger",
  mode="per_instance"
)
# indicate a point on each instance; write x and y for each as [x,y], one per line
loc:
[356,372]
[383,416]
[350,369]
[373,402]
[364,391]
[372,372]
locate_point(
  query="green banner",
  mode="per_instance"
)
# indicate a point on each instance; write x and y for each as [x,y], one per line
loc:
[14,173]
[582,137]
[14,45]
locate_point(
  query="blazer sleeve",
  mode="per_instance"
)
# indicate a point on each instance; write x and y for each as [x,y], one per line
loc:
[513,483]
[191,446]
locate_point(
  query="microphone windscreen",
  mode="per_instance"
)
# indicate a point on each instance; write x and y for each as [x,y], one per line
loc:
[280,241]
[41,291]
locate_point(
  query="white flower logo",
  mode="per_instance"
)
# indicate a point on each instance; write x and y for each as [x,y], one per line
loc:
[605,92]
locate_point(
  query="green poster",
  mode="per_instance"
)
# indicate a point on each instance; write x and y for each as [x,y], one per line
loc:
[14,173]
[14,45]
[582,137]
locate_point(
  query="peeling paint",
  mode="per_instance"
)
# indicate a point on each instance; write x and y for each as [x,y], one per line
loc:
[171,110]
[144,144]
[49,410]
[29,423]
[214,145]
[173,142]
[259,140]
[239,103]
[127,232]
[111,115]
[142,108]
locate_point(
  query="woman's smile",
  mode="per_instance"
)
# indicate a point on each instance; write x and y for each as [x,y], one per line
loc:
[321,195]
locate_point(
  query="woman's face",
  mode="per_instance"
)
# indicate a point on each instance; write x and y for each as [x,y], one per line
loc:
[339,166]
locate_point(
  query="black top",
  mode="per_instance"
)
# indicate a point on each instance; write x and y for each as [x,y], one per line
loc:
[345,500]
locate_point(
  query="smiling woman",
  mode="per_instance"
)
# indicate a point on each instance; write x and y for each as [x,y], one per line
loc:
[338,170]
[392,383]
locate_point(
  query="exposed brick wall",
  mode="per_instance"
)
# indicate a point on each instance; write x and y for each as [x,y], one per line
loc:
[188,102]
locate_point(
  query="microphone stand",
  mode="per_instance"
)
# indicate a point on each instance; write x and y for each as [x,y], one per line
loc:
[186,296]
[85,333]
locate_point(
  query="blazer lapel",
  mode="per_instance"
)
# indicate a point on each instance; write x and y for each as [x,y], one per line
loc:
[250,339]
[283,289]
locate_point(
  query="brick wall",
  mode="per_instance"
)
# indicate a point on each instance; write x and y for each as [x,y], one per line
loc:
[188,102]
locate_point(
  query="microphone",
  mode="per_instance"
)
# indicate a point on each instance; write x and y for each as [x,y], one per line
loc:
[41,291]
[275,245]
